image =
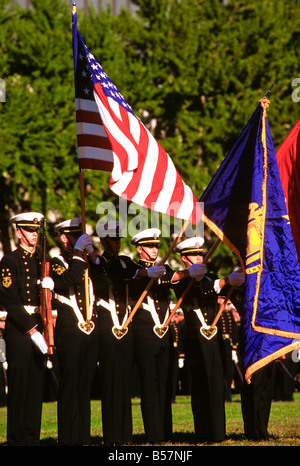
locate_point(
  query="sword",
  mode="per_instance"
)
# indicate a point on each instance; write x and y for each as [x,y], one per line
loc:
[297,385]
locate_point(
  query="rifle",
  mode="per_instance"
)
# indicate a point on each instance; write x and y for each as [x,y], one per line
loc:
[45,297]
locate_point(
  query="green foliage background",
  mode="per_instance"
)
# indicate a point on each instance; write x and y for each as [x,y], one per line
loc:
[192,70]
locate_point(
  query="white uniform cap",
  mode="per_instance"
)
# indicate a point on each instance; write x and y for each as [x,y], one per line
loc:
[110,229]
[69,226]
[149,236]
[27,219]
[190,245]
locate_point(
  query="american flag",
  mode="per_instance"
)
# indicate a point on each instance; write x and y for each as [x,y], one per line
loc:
[111,137]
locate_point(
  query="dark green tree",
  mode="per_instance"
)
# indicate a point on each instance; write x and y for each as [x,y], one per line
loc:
[192,70]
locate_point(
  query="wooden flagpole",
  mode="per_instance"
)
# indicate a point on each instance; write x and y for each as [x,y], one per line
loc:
[150,283]
[192,281]
[86,273]
[88,325]
[222,307]
[82,200]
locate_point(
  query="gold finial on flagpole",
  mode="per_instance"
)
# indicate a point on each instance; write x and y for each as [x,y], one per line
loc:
[264,102]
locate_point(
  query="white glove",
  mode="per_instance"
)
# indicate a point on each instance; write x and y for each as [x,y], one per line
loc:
[84,242]
[296,355]
[39,342]
[156,271]
[236,278]
[234,356]
[197,271]
[48,283]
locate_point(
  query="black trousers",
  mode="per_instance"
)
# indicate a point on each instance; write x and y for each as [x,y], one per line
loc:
[77,355]
[152,356]
[116,364]
[25,376]
[256,401]
[204,360]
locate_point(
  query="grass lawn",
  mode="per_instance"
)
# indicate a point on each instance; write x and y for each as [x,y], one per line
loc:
[284,425]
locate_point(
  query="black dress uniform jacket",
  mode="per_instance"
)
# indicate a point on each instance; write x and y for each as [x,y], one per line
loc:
[20,271]
[77,352]
[115,355]
[152,356]
[205,361]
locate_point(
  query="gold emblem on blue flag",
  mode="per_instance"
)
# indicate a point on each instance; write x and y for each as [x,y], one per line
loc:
[254,238]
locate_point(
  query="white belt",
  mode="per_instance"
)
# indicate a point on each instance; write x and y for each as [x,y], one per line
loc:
[111,307]
[103,303]
[63,299]
[72,303]
[150,307]
[32,309]
[199,314]
[86,327]
[201,318]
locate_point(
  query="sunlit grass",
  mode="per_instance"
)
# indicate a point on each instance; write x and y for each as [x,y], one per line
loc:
[284,425]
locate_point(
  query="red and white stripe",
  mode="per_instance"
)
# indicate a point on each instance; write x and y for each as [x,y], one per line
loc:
[142,171]
[94,148]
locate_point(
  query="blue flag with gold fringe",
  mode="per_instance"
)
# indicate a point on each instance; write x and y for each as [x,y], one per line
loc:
[245,206]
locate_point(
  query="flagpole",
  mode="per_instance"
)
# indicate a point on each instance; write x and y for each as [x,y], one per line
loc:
[222,307]
[82,200]
[83,223]
[270,88]
[192,281]
[166,257]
